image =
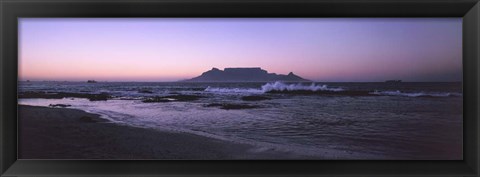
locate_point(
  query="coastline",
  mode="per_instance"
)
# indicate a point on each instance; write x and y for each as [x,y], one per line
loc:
[64,133]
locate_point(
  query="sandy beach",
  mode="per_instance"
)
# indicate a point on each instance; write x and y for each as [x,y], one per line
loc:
[62,133]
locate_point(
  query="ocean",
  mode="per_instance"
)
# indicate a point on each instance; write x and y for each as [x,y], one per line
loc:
[405,120]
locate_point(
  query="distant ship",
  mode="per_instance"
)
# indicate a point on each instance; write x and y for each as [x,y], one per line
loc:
[393,81]
[91,81]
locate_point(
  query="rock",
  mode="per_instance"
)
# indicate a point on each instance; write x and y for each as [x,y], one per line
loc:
[59,105]
[228,106]
[255,98]
[60,95]
[98,97]
[145,91]
[237,106]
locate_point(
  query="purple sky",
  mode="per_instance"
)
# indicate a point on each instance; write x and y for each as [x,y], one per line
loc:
[169,49]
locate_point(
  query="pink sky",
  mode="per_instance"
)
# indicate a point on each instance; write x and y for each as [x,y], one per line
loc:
[170,49]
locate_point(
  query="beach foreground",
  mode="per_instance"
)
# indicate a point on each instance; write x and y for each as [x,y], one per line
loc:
[402,121]
[62,133]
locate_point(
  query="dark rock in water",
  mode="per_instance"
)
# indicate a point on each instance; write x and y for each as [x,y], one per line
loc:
[145,91]
[59,105]
[244,75]
[89,119]
[172,98]
[228,106]
[237,106]
[99,97]
[197,89]
[255,98]
[46,95]
[61,95]
[91,81]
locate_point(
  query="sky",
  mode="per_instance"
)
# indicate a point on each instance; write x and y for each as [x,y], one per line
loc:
[171,49]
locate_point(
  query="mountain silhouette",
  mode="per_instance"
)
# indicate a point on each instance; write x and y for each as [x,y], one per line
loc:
[255,74]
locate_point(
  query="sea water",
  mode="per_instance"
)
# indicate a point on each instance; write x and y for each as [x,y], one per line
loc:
[391,121]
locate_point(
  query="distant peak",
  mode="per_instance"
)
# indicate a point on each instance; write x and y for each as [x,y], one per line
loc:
[257,68]
[244,74]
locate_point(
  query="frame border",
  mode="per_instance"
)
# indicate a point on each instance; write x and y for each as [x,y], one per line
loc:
[11,10]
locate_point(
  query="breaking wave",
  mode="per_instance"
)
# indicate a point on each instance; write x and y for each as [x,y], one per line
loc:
[415,94]
[276,86]
[232,90]
[279,86]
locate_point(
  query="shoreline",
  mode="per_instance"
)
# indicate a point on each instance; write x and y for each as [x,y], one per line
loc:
[65,133]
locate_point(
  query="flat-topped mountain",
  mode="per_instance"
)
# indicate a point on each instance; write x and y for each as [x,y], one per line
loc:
[256,74]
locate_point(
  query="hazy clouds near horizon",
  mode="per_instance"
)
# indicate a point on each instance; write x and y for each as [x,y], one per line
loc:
[169,49]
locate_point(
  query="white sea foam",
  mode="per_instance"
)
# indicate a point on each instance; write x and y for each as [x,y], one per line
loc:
[279,86]
[415,94]
[276,86]
[233,90]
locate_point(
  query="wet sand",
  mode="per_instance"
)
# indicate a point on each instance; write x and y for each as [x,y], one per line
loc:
[63,133]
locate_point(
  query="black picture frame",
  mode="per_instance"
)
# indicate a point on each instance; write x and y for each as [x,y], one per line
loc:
[11,10]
